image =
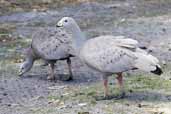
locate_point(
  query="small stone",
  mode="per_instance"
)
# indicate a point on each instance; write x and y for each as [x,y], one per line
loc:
[34,10]
[114,5]
[139,105]
[164,30]
[5,94]
[110,83]
[82,104]
[4,40]
[9,105]
[123,20]
[130,90]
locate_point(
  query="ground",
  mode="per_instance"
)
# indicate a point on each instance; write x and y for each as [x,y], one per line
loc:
[148,21]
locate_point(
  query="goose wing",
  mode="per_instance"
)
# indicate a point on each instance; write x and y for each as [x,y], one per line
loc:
[51,43]
[107,54]
[121,41]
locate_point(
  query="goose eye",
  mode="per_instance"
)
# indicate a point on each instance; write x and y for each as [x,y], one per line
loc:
[66,21]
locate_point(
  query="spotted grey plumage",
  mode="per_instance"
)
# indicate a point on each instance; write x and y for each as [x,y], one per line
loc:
[51,45]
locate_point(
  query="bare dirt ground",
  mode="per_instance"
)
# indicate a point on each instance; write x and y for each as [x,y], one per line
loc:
[148,21]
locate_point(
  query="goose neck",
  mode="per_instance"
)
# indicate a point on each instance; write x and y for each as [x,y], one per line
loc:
[78,38]
[30,59]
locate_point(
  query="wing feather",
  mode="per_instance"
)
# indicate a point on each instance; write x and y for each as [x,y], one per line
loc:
[109,58]
[51,43]
[121,41]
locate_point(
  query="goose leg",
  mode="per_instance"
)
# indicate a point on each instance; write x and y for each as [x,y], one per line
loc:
[70,70]
[120,81]
[105,83]
[51,75]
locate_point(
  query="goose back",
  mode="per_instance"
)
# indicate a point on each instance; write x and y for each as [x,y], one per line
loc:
[109,55]
[51,43]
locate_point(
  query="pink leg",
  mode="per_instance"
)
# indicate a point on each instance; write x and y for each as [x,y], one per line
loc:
[51,75]
[120,81]
[70,71]
[106,91]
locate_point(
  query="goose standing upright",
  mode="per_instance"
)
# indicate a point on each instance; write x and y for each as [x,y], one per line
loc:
[109,54]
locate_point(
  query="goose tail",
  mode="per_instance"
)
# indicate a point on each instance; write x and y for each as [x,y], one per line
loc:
[149,63]
[157,71]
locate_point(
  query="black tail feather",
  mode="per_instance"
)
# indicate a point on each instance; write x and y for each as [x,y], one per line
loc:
[158,71]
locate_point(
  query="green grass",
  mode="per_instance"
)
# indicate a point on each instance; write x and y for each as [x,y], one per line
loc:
[142,82]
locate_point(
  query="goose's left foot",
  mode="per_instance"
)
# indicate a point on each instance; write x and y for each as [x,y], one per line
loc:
[65,77]
[70,78]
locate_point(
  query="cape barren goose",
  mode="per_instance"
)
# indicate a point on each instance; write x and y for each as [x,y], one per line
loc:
[51,45]
[109,54]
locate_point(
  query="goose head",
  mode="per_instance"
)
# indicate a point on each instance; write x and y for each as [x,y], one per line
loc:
[28,63]
[25,67]
[67,22]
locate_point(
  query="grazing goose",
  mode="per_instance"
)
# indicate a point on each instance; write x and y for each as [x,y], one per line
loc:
[109,54]
[51,45]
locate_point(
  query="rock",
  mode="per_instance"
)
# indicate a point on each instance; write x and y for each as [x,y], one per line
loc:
[164,29]
[139,105]
[82,104]
[8,105]
[5,94]
[130,90]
